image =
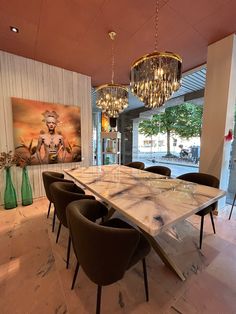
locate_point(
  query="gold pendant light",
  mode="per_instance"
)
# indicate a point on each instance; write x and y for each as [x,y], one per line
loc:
[156,76]
[112,98]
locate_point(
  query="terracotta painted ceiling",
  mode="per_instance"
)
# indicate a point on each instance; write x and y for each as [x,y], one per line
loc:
[73,34]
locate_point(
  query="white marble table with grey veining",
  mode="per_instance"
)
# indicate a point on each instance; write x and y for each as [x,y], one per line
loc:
[151,201]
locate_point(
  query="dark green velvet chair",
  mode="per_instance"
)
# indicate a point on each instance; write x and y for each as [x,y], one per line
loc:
[204,179]
[107,250]
[63,193]
[50,177]
[165,171]
[136,164]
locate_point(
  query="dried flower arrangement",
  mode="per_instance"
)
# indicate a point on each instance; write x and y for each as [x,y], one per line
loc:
[7,160]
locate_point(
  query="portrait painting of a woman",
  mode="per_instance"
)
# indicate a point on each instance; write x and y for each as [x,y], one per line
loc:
[46,133]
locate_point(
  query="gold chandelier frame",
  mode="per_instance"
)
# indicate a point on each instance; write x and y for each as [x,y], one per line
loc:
[156,54]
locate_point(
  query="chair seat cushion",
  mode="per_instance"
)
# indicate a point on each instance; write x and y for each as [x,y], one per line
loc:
[143,247]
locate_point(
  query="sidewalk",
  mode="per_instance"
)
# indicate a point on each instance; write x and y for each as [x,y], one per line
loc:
[173,161]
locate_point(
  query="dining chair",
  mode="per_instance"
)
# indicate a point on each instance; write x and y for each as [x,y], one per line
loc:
[136,164]
[232,207]
[50,177]
[165,171]
[104,251]
[63,193]
[204,179]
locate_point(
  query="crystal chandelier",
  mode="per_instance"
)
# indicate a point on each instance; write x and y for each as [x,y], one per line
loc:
[156,76]
[112,98]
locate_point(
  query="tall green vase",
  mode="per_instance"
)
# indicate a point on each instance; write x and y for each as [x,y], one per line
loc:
[10,200]
[26,190]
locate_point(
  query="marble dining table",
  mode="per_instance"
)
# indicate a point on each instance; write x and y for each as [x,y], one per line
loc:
[151,201]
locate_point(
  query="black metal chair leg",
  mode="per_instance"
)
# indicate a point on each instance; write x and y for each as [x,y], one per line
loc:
[99,294]
[54,220]
[231,211]
[212,221]
[58,232]
[68,253]
[75,275]
[201,231]
[49,207]
[145,279]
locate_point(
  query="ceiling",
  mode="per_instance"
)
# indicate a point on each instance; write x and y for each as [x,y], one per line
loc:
[192,82]
[73,34]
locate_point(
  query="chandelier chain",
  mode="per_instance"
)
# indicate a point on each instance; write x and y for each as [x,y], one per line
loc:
[156,24]
[112,63]
[156,76]
[112,98]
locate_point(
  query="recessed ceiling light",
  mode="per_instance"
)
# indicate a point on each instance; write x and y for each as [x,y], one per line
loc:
[14,29]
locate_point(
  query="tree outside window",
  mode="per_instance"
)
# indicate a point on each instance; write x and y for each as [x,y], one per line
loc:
[184,120]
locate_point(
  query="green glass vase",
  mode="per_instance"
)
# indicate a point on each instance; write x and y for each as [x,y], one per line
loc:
[10,200]
[26,190]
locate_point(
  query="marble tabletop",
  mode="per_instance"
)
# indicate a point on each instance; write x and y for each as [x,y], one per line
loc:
[149,200]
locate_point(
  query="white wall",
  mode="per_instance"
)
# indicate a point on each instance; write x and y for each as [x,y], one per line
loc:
[26,78]
[218,110]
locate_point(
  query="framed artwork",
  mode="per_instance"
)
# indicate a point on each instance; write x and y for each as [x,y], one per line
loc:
[105,123]
[46,133]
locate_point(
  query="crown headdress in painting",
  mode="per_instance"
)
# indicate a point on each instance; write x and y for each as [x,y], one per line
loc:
[50,114]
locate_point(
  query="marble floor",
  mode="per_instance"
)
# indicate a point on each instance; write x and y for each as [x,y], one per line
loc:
[33,277]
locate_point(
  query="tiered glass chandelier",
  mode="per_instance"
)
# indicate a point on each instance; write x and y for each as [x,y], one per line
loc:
[112,98]
[156,76]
